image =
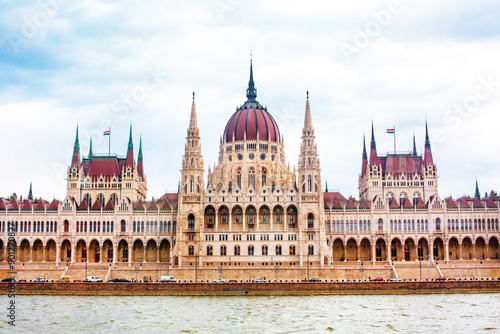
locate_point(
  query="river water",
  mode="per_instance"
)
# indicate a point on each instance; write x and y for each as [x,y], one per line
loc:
[437,313]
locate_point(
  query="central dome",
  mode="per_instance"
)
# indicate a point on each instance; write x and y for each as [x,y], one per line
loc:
[251,121]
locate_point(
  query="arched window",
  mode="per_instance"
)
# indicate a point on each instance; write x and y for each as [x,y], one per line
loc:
[264,215]
[66,226]
[230,187]
[210,251]
[278,215]
[438,224]
[273,186]
[191,250]
[123,226]
[238,178]
[223,250]
[310,220]
[191,185]
[251,178]
[292,217]
[264,250]
[250,216]
[250,250]
[100,198]
[88,198]
[380,224]
[191,221]
[292,250]
[237,250]
[237,215]
[309,183]
[310,250]
[264,176]
[278,250]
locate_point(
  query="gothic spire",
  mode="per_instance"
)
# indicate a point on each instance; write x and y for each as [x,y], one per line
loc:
[139,157]
[373,149]
[75,161]
[365,156]
[251,90]
[193,120]
[477,194]
[427,150]
[76,147]
[364,162]
[30,194]
[414,146]
[307,117]
[140,166]
[90,149]
[427,141]
[326,186]
[130,143]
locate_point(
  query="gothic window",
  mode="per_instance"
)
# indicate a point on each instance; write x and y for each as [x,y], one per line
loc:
[88,198]
[66,226]
[380,224]
[292,250]
[224,215]
[292,217]
[264,176]
[210,251]
[310,220]
[438,224]
[223,250]
[209,217]
[264,250]
[310,250]
[236,250]
[309,183]
[278,215]
[264,215]
[191,221]
[250,250]
[191,250]
[278,250]
[251,178]
[250,216]
[238,178]
[100,198]
[273,186]
[191,184]
[230,187]
[237,215]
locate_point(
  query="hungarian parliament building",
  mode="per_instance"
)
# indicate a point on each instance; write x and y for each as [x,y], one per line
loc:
[251,209]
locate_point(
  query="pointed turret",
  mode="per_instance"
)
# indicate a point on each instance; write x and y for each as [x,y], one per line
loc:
[326,186]
[414,153]
[193,120]
[309,170]
[251,90]
[130,150]
[364,162]
[30,194]
[140,167]
[373,149]
[76,151]
[90,149]
[427,151]
[477,193]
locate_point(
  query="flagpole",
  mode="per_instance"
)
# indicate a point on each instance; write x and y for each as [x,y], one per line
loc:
[109,143]
[394,139]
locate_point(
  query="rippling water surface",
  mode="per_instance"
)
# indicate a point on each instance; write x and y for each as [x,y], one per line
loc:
[469,313]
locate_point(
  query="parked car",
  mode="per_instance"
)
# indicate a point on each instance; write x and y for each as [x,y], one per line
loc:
[93,279]
[8,279]
[39,279]
[313,280]
[260,280]
[377,279]
[167,279]
[233,281]
[219,280]
[118,280]
[63,280]
[441,279]
[395,279]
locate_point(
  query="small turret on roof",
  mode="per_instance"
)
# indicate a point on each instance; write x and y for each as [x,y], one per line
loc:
[75,162]
[373,150]
[427,151]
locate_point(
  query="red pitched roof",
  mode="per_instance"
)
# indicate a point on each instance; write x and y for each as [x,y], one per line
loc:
[53,205]
[407,204]
[97,205]
[351,204]
[83,205]
[450,203]
[139,206]
[110,205]
[364,204]
[477,203]
[490,203]
[336,204]
[40,206]
[152,206]
[14,205]
[105,167]
[331,196]
[463,202]
[165,206]
[394,204]
[27,205]
[3,204]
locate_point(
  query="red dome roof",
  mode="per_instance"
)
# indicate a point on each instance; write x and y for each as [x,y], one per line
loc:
[251,118]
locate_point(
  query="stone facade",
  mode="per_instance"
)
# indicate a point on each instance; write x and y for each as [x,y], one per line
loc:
[255,214]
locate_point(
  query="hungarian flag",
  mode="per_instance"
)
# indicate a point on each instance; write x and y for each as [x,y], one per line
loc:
[107,132]
[390,130]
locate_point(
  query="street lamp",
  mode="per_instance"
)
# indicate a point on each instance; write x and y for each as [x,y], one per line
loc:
[65,265]
[481,259]
[428,267]
[308,265]
[361,268]
[276,271]
[420,262]
[23,261]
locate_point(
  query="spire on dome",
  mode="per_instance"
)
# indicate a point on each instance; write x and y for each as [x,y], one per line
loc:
[251,90]
[90,149]
[477,193]
[414,146]
[373,149]
[30,194]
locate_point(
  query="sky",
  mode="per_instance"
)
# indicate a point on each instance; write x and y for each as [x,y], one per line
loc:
[107,64]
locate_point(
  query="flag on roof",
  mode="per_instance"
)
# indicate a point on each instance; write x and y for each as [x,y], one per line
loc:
[390,130]
[107,132]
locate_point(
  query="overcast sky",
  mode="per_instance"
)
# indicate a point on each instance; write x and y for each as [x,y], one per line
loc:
[105,64]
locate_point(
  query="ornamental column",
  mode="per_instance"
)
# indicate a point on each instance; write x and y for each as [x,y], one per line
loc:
[43,253]
[129,259]
[100,254]
[446,251]
[115,251]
